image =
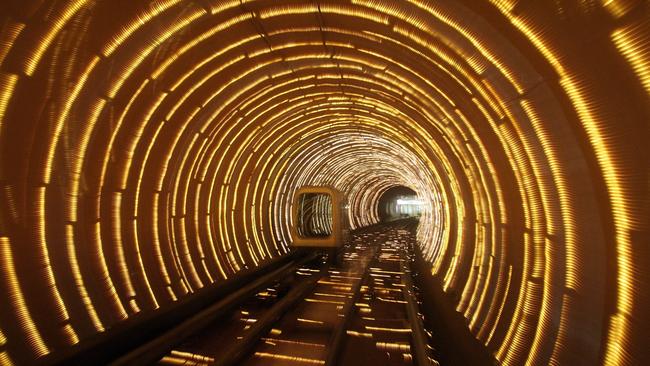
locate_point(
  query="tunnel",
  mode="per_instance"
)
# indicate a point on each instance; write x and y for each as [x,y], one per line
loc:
[150,151]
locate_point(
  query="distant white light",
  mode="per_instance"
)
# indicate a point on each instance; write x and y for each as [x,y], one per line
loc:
[410,202]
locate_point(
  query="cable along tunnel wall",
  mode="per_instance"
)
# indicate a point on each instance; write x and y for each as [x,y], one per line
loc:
[151,149]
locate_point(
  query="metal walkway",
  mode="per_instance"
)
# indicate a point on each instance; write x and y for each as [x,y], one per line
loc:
[360,310]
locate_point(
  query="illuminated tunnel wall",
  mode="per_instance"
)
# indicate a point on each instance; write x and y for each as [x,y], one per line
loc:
[151,148]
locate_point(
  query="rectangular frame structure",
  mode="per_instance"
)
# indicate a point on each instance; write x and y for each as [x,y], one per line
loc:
[340,221]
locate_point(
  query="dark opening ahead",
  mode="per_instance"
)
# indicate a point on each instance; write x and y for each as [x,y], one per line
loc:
[398,202]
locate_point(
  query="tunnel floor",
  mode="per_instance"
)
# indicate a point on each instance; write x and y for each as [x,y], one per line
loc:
[354,311]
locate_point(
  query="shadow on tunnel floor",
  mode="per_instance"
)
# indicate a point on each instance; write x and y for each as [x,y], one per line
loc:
[454,343]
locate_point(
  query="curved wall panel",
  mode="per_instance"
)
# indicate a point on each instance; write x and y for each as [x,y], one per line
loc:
[149,149]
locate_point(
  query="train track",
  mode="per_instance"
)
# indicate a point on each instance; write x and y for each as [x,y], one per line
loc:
[361,310]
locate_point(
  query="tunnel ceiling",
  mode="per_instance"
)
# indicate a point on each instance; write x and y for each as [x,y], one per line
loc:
[150,149]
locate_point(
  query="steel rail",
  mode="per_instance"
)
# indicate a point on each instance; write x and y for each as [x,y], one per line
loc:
[338,334]
[418,335]
[153,350]
[263,325]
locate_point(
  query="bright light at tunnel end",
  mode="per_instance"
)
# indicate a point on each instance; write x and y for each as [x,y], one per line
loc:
[410,202]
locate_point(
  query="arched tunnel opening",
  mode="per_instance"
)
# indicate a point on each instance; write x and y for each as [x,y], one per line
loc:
[150,152]
[398,202]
